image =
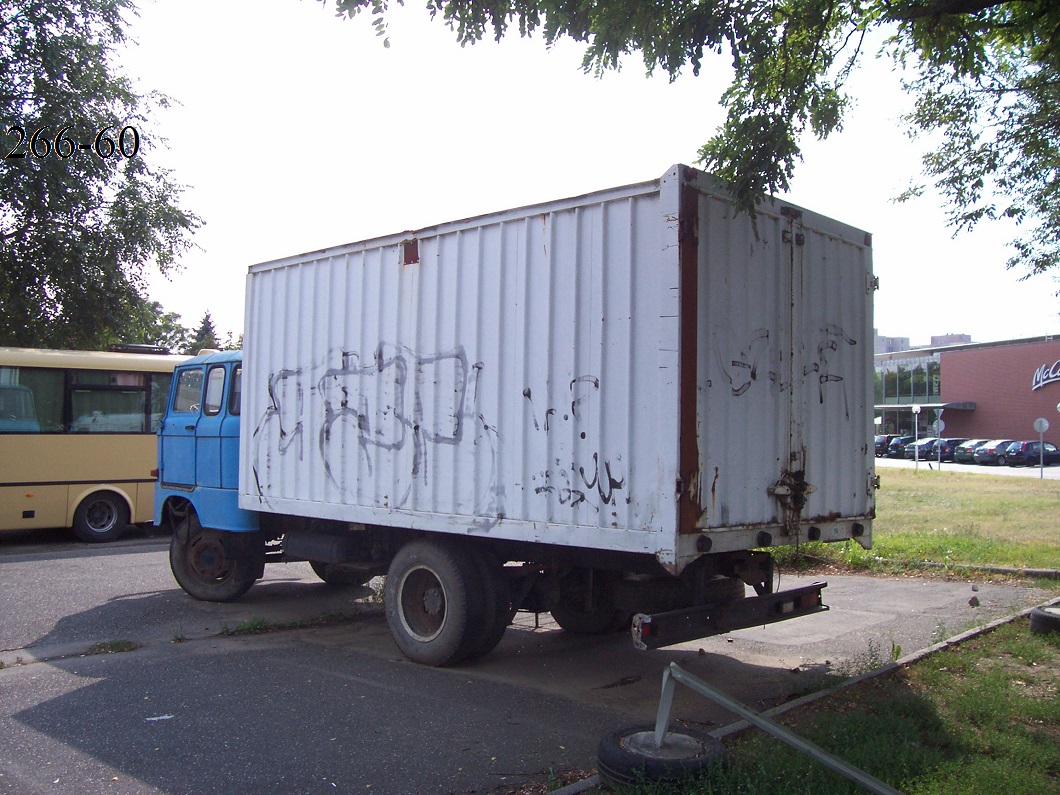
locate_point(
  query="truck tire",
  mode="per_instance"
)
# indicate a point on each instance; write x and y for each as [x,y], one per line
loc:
[338,576]
[497,604]
[629,756]
[582,613]
[434,602]
[1045,619]
[101,516]
[202,567]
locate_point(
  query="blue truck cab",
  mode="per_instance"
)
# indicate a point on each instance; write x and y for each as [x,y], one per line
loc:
[217,551]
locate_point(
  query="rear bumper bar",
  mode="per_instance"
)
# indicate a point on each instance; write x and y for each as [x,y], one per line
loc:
[679,626]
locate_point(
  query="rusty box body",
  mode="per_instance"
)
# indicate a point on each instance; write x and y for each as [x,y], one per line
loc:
[638,370]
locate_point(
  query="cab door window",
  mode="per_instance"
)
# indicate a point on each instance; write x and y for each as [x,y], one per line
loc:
[215,390]
[189,392]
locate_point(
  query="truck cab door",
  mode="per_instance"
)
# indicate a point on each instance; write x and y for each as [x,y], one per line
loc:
[176,441]
[208,429]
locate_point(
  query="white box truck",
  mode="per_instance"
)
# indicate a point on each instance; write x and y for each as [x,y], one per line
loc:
[609,407]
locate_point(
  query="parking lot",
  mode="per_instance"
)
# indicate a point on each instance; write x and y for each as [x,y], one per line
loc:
[204,704]
[1049,473]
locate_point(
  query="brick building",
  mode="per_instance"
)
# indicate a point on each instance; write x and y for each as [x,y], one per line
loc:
[979,390]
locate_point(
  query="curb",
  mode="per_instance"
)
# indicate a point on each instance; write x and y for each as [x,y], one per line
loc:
[1045,574]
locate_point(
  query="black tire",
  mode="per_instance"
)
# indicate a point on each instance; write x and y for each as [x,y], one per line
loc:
[1002,461]
[101,516]
[722,590]
[627,757]
[496,602]
[202,567]
[338,576]
[1045,619]
[434,604]
[583,613]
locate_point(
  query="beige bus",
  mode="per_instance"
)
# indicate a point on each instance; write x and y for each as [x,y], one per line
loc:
[78,444]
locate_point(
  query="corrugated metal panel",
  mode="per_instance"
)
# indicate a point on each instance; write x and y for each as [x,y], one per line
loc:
[784,358]
[519,374]
[505,382]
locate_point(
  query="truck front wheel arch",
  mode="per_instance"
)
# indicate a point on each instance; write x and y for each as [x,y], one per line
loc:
[205,563]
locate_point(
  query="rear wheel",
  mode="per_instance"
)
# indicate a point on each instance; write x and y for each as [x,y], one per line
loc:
[587,603]
[496,601]
[339,576]
[434,604]
[102,516]
[203,567]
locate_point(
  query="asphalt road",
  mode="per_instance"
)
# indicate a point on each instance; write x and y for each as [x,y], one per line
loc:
[335,708]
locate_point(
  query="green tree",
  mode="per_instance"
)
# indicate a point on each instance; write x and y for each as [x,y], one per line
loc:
[205,336]
[78,226]
[150,324]
[984,73]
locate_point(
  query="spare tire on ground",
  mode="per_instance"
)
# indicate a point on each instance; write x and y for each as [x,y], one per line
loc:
[1045,619]
[629,756]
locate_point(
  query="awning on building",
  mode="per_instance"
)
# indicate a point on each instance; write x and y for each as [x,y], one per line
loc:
[965,405]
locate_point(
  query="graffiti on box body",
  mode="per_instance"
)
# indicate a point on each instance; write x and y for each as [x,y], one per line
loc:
[590,479]
[744,368]
[398,407]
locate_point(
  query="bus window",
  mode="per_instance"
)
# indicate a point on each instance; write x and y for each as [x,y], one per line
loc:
[17,414]
[215,390]
[107,411]
[78,438]
[189,392]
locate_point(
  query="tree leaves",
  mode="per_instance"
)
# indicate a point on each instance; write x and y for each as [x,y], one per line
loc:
[77,231]
[791,59]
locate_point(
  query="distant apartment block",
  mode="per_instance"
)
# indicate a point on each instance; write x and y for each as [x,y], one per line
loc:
[950,339]
[891,344]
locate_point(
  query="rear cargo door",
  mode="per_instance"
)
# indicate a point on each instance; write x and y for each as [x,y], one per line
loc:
[782,392]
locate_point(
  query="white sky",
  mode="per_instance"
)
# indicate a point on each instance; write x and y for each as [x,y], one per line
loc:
[296,130]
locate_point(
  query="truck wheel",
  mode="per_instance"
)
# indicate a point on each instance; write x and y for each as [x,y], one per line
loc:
[339,576]
[434,604]
[583,613]
[201,565]
[102,516]
[628,757]
[1045,619]
[496,601]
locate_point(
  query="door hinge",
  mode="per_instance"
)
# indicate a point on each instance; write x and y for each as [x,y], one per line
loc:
[874,284]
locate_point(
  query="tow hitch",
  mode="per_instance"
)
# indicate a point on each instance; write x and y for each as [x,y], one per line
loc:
[678,626]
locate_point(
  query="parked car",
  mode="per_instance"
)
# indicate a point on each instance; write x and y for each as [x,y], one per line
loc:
[992,452]
[882,442]
[896,448]
[1028,454]
[944,449]
[920,450]
[965,453]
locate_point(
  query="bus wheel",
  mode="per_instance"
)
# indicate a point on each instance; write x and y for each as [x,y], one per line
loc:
[102,516]
[202,566]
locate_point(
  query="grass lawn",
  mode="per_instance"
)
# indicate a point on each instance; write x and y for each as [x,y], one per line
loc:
[952,518]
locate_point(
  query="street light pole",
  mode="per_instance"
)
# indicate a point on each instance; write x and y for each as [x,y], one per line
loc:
[916,436]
